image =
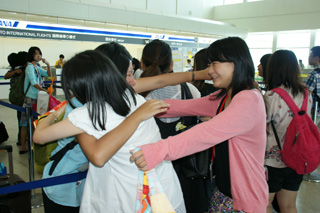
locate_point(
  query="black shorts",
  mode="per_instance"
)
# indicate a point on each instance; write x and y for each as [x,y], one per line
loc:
[283,178]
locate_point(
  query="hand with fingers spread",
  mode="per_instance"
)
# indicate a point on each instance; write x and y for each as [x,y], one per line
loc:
[138,158]
[150,108]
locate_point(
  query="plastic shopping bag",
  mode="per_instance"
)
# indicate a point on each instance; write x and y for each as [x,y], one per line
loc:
[150,194]
[42,102]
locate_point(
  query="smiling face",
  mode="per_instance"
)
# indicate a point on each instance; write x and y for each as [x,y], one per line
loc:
[221,74]
[130,79]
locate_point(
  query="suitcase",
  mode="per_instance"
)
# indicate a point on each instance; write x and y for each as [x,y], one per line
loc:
[18,202]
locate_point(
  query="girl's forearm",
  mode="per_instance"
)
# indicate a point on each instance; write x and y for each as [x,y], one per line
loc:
[155,82]
[100,151]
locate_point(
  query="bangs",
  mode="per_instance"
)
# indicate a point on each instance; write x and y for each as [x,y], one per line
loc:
[216,54]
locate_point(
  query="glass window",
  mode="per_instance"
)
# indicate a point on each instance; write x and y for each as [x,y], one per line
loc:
[301,53]
[317,39]
[259,40]
[294,39]
[233,1]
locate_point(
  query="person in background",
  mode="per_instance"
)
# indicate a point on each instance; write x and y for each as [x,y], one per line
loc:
[282,71]
[156,60]
[12,74]
[301,65]
[200,63]
[14,71]
[136,68]
[33,81]
[60,62]
[237,130]
[189,65]
[262,69]
[313,82]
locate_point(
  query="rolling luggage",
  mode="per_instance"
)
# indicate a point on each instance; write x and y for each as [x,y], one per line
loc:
[18,202]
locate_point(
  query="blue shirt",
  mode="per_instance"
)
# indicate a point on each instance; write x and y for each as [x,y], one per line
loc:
[68,194]
[32,78]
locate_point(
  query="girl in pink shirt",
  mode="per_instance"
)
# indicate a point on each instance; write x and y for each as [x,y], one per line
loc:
[237,130]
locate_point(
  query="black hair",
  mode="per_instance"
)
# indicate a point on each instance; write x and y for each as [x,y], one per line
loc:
[136,63]
[200,63]
[92,78]
[264,62]
[157,58]
[22,58]
[283,69]
[316,51]
[13,60]
[61,56]
[234,49]
[118,54]
[32,52]
[188,60]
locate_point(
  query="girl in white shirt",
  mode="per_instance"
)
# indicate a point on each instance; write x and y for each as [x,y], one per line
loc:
[111,183]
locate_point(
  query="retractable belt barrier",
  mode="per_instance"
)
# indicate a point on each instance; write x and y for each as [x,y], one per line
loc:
[69,178]
[18,108]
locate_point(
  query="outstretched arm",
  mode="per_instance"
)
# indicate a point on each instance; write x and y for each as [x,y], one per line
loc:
[100,151]
[159,81]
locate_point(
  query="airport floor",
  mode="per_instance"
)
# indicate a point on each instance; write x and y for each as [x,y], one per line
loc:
[308,200]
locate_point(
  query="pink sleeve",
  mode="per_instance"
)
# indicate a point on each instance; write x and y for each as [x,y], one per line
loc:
[204,106]
[237,119]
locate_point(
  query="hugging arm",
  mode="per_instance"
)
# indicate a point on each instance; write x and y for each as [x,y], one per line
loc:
[155,82]
[100,151]
[47,130]
[237,119]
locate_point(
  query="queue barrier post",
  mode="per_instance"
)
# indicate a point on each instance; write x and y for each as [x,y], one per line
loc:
[36,198]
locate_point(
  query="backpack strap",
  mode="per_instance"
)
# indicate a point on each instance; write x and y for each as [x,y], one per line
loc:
[294,108]
[27,89]
[185,92]
[59,155]
[276,134]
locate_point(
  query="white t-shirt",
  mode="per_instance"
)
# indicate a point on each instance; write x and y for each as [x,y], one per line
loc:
[113,187]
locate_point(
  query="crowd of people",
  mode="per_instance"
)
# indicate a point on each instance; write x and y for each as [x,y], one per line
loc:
[116,103]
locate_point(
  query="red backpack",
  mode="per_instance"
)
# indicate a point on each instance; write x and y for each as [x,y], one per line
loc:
[301,148]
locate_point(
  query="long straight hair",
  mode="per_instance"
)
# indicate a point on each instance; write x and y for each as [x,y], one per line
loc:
[92,78]
[234,49]
[283,69]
